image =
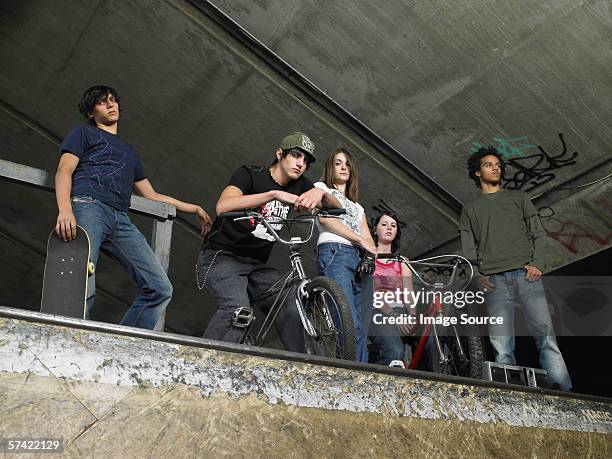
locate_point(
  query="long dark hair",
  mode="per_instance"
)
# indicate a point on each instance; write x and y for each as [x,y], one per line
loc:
[352,186]
[395,245]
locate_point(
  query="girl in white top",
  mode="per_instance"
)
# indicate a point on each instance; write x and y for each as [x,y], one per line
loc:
[340,241]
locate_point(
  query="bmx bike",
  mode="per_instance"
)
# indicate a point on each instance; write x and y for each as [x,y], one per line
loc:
[322,307]
[441,345]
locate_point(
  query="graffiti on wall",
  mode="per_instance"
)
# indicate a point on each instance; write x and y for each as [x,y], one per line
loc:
[574,232]
[410,229]
[534,170]
[529,165]
[508,148]
[382,207]
[569,232]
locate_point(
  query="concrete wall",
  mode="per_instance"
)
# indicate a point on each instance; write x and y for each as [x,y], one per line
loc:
[431,78]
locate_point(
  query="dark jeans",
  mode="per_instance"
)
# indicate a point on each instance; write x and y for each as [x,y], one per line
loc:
[233,281]
[388,347]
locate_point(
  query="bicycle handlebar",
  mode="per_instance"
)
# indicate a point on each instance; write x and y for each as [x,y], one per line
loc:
[233,214]
[249,213]
[267,221]
[331,212]
[334,213]
[453,266]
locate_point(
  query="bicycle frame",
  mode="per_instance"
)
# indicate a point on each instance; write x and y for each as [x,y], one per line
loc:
[294,278]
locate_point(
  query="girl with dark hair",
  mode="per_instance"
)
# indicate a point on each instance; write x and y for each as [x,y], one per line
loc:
[391,275]
[390,231]
[342,239]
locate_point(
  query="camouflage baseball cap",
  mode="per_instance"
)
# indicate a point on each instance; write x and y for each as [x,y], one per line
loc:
[300,141]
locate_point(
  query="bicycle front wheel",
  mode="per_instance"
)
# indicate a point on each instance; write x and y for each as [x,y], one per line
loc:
[462,347]
[330,315]
[465,355]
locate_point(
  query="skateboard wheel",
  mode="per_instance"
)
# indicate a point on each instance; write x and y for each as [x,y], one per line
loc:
[91,268]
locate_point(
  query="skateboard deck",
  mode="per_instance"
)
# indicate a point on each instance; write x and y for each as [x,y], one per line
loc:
[67,269]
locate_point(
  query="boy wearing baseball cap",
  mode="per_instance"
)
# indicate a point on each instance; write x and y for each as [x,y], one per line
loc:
[232,263]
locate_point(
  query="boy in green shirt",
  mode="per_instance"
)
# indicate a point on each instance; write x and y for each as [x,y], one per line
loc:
[502,235]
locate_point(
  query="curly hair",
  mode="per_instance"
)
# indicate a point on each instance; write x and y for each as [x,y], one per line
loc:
[92,96]
[395,245]
[473,162]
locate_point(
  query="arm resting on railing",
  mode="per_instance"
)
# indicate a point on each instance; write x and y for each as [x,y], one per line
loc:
[145,189]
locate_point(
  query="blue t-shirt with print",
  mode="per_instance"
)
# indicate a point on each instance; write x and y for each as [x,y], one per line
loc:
[107,168]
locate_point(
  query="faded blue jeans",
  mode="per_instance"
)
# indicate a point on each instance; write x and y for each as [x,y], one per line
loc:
[512,287]
[340,262]
[111,230]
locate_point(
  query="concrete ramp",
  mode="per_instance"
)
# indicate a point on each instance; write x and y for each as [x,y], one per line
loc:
[115,391]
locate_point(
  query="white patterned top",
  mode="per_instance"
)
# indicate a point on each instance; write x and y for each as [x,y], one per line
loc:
[352,219]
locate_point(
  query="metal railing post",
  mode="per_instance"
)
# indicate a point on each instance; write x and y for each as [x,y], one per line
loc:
[161,240]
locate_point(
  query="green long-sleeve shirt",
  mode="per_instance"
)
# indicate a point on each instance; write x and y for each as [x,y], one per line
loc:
[502,231]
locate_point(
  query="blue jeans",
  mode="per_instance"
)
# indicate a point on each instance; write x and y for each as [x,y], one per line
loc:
[511,287]
[340,262]
[112,231]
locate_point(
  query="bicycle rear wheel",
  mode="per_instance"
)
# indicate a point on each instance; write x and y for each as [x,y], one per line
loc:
[330,315]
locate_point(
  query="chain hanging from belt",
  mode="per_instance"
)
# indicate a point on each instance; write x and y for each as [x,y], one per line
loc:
[197,271]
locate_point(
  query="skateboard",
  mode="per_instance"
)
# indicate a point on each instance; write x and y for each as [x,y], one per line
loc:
[67,270]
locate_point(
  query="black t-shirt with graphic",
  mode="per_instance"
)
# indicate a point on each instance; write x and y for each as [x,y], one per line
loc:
[244,238]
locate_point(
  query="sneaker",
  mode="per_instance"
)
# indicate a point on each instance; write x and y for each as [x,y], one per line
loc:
[397,364]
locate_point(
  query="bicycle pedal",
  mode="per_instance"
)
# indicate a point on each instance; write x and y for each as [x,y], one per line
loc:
[243,317]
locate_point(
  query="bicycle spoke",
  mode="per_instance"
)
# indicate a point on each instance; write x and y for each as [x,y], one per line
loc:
[327,338]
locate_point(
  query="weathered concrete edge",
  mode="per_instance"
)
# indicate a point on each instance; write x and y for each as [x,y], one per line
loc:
[54,351]
[242,349]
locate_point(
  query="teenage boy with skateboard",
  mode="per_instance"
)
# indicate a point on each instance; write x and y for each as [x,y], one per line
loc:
[93,185]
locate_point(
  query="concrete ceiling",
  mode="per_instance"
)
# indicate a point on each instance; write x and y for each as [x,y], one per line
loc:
[430,79]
